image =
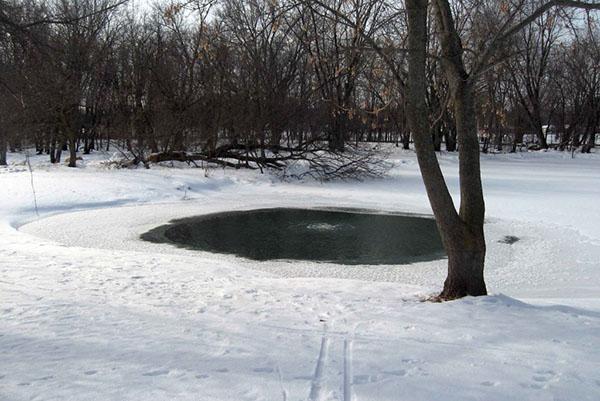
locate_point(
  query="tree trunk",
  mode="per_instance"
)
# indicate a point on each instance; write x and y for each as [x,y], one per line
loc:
[540,135]
[515,140]
[485,146]
[3,149]
[86,145]
[52,150]
[436,134]
[462,234]
[72,152]
[465,246]
[450,135]
[58,154]
[590,142]
[499,141]
[406,141]
[466,257]
[337,135]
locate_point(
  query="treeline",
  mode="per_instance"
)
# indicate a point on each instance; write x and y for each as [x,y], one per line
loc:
[262,83]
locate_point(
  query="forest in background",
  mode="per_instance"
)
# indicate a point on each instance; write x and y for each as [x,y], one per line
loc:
[261,83]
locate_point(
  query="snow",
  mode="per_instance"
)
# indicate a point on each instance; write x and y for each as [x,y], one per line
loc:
[90,312]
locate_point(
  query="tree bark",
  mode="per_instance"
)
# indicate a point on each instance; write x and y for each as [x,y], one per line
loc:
[72,152]
[3,150]
[435,185]
[466,248]
[539,129]
[336,140]
[86,145]
[406,141]
[462,233]
[52,150]
[436,135]
[58,154]
[499,141]
[450,136]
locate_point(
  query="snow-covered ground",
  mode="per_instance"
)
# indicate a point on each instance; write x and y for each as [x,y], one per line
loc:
[89,312]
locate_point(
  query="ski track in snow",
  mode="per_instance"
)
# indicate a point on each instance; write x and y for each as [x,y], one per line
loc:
[89,312]
[348,374]
[317,380]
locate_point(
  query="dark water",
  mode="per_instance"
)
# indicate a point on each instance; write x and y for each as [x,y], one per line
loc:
[340,236]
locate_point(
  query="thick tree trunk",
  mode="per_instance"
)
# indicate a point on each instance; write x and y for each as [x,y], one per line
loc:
[466,257]
[466,247]
[462,235]
[462,232]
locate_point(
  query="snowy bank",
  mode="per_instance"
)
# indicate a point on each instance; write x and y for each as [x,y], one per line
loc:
[90,312]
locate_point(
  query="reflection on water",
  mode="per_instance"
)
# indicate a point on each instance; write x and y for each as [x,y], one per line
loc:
[340,236]
[327,227]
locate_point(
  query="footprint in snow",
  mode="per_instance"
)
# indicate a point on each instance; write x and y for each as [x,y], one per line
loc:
[90,372]
[400,373]
[533,386]
[365,379]
[263,370]
[543,376]
[156,373]
[541,379]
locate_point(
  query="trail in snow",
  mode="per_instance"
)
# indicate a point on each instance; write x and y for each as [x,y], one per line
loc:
[348,373]
[317,380]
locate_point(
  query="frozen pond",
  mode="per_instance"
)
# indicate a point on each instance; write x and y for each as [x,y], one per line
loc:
[345,236]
